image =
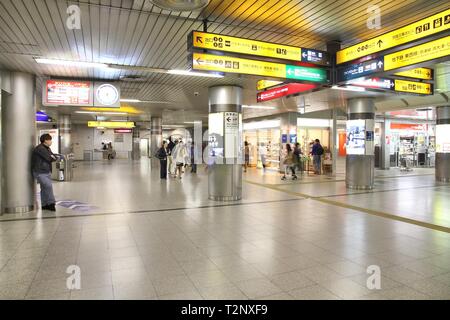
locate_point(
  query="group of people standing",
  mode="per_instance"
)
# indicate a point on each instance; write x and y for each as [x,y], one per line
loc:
[292,158]
[174,157]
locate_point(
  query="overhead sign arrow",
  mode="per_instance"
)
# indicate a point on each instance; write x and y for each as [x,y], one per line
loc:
[220,42]
[412,32]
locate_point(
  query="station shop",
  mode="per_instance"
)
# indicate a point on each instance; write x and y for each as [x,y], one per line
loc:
[268,134]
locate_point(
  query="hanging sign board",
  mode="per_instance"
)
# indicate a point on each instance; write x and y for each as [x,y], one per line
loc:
[111,124]
[396,85]
[413,87]
[425,52]
[218,42]
[217,63]
[414,31]
[264,84]
[417,73]
[80,93]
[288,89]
[65,92]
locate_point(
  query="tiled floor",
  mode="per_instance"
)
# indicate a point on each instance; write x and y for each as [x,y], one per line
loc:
[149,239]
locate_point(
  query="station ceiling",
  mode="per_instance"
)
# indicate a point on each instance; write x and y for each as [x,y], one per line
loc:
[138,33]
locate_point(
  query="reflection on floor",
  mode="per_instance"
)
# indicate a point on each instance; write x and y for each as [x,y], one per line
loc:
[147,239]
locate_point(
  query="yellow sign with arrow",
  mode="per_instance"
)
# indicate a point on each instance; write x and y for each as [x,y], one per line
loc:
[414,31]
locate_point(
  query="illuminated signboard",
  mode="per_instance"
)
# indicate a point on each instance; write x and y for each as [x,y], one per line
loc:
[210,62]
[80,93]
[288,89]
[393,84]
[42,117]
[64,92]
[123,130]
[111,124]
[443,138]
[413,87]
[358,70]
[417,73]
[420,29]
[218,42]
[264,84]
[428,51]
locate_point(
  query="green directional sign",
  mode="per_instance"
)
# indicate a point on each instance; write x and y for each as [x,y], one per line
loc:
[218,63]
[306,74]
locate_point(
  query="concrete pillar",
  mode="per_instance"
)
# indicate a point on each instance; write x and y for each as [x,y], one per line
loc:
[65,129]
[442,144]
[136,145]
[155,139]
[155,135]
[226,145]
[18,141]
[385,159]
[360,162]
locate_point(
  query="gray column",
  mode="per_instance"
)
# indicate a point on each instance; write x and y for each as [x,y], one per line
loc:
[155,139]
[442,153]
[155,135]
[18,137]
[65,129]
[385,159]
[136,146]
[225,172]
[360,168]
[288,126]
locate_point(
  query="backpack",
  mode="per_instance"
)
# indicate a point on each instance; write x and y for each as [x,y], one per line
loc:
[320,150]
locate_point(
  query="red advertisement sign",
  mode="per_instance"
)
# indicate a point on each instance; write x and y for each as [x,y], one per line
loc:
[73,93]
[288,89]
[123,130]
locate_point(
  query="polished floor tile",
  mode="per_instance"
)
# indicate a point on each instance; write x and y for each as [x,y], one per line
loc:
[166,240]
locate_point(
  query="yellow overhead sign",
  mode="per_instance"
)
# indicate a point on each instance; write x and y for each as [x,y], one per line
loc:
[264,84]
[418,54]
[417,73]
[213,41]
[111,124]
[218,63]
[423,28]
[413,87]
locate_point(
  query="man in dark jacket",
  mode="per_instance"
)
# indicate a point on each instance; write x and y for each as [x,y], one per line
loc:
[317,152]
[42,168]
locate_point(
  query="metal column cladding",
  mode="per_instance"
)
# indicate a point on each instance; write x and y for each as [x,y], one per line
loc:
[360,161]
[155,139]
[65,130]
[18,137]
[135,151]
[225,143]
[442,169]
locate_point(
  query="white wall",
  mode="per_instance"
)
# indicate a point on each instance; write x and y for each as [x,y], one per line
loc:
[91,139]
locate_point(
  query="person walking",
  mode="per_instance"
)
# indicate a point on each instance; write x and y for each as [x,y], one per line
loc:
[170,148]
[161,154]
[317,152]
[263,154]
[246,155]
[298,157]
[41,161]
[192,157]
[288,162]
[179,157]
